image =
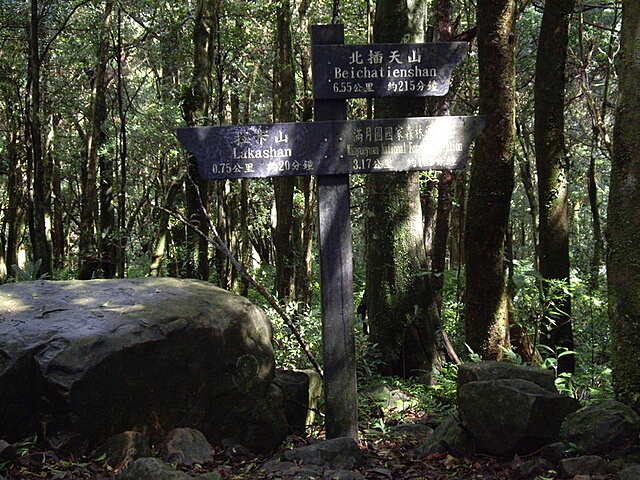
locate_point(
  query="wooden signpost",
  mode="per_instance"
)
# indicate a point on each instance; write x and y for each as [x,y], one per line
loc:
[333,148]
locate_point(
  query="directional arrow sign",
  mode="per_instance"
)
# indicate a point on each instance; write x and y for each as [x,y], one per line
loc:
[407,144]
[385,70]
[332,147]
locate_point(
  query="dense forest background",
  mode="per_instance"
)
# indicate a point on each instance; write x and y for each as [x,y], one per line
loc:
[93,183]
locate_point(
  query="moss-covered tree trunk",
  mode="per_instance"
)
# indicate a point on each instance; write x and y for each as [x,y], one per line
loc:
[491,185]
[623,220]
[553,186]
[400,304]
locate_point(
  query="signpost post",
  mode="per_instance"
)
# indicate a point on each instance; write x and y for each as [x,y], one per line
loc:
[333,148]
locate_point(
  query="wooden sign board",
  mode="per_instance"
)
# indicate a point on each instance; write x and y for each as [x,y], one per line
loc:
[254,151]
[332,147]
[384,70]
[407,144]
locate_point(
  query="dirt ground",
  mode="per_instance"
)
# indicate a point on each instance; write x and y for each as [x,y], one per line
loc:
[385,457]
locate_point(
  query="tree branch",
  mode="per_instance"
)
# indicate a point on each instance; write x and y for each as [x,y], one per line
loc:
[216,240]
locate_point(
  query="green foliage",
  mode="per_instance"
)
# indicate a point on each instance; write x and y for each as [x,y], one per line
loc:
[389,400]
[29,272]
[452,316]
[590,326]
[440,399]
[288,352]
[383,401]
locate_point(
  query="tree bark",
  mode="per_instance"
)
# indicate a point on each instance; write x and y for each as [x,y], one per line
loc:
[90,251]
[552,167]
[442,27]
[400,304]
[39,189]
[197,110]
[623,225]
[284,95]
[58,237]
[170,182]
[491,184]
[305,223]
[120,235]
[13,219]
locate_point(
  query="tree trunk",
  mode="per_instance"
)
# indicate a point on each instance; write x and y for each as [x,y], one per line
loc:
[491,184]
[623,225]
[163,232]
[400,304]
[167,87]
[120,238]
[197,110]
[39,191]
[442,13]
[58,237]
[13,219]
[305,224]
[552,167]
[108,229]
[90,255]
[284,96]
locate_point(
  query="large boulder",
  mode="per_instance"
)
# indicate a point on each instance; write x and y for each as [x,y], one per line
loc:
[608,428]
[512,416]
[101,357]
[492,370]
[302,390]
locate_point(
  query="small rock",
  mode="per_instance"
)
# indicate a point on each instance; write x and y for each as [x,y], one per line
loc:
[208,476]
[631,472]
[277,466]
[584,465]
[555,452]
[492,370]
[121,450]
[342,475]
[340,452]
[448,437]
[7,453]
[186,447]
[535,468]
[298,472]
[411,429]
[151,469]
[301,389]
